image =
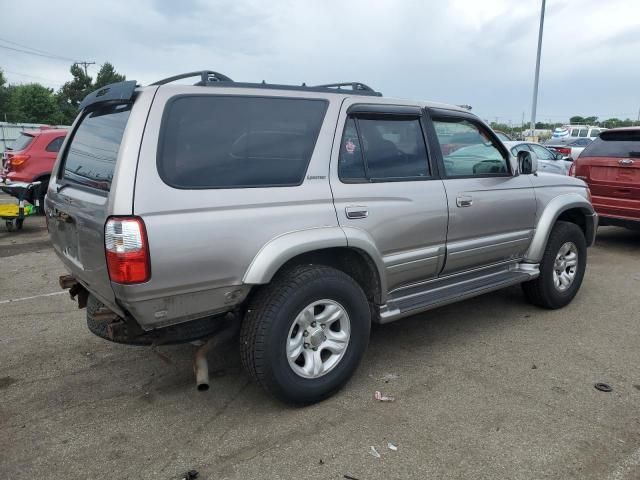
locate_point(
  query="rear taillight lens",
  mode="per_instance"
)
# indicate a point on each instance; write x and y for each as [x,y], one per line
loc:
[572,170]
[17,160]
[564,150]
[127,250]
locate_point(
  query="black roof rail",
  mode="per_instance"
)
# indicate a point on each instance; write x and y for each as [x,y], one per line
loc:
[354,86]
[206,77]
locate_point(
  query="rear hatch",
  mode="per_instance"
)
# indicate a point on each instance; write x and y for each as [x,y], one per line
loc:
[16,149]
[80,195]
[611,167]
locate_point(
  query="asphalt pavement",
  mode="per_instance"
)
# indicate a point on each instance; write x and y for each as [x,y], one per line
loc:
[484,389]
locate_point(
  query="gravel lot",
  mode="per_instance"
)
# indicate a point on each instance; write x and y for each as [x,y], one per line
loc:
[488,388]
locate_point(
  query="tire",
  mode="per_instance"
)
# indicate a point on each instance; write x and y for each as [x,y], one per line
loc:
[543,291]
[273,322]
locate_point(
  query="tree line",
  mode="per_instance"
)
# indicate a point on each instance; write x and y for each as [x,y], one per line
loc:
[575,120]
[35,103]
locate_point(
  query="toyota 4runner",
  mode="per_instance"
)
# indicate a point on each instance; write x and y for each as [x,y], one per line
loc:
[297,215]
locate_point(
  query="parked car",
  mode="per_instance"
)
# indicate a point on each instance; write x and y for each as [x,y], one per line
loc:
[571,148]
[572,132]
[31,157]
[299,215]
[611,168]
[548,160]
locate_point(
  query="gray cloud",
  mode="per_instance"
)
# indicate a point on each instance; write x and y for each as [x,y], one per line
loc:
[458,51]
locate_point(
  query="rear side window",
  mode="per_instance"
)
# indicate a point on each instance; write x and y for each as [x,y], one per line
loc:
[233,142]
[55,144]
[383,148]
[22,142]
[583,132]
[622,144]
[91,156]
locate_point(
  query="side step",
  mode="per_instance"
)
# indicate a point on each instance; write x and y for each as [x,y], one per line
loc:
[435,293]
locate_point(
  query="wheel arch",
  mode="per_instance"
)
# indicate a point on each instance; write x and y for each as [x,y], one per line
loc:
[571,207]
[324,246]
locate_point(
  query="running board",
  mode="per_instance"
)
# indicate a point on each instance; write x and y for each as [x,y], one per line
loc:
[436,293]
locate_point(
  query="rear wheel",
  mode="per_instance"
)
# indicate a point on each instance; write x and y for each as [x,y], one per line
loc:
[305,333]
[562,268]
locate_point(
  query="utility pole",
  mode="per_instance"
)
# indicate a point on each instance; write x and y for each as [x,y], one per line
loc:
[85,64]
[535,82]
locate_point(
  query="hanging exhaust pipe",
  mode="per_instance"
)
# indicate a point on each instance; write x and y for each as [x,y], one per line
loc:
[200,362]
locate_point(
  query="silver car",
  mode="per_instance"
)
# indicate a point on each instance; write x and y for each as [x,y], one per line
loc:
[298,216]
[548,160]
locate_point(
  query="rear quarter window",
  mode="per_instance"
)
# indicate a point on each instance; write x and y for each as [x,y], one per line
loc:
[209,141]
[621,144]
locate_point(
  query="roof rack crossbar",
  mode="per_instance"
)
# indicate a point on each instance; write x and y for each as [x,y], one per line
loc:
[354,86]
[206,77]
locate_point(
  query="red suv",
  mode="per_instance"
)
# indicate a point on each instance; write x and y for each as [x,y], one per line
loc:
[611,167]
[31,157]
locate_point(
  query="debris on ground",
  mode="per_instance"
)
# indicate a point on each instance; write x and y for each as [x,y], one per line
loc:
[374,452]
[603,387]
[321,462]
[349,477]
[534,366]
[191,475]
[377,395]
[387,377]
[391,446]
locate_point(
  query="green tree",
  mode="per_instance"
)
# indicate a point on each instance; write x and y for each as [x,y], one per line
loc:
[577,119]
[106,75]
[4,95]
[33,103]
[71,93]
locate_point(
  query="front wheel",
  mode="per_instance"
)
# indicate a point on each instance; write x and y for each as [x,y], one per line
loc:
[305,333]
[562,268]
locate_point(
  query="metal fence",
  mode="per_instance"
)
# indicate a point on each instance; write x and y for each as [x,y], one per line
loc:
[10,131]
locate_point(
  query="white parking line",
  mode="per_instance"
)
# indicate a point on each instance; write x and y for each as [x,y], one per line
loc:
[626,467]
[31,298]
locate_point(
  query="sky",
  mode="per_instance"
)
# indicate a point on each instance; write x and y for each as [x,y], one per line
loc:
[476,52]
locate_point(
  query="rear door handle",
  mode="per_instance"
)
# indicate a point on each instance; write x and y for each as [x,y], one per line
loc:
[464,201]
[356,212]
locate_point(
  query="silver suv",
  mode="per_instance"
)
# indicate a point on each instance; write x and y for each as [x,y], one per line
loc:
[298,215]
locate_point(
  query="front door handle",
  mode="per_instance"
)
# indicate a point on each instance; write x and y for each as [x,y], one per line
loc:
[464,201]
[357,211]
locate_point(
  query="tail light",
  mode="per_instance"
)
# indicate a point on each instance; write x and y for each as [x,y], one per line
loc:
[564,150]
[17,160]
[127,250]
[572,170]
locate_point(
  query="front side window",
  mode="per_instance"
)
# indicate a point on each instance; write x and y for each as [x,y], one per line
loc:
[227,141]
[383,148]
[479,156]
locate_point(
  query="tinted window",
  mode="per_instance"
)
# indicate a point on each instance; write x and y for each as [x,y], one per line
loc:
[55,144]
[350,161]
[481,158]
[594,132]
[574,132]
[392,148]
[581,142]
[91,156]
[230,141]
[542,153]
[614,144]
[22,142]
[583,132]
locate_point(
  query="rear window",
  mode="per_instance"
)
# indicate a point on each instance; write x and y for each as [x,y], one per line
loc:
[233,142]
[614,144]
[22,142]
[91,157]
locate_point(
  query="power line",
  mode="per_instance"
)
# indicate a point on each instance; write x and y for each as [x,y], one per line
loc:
[55,57]
[44,52]
[33,76]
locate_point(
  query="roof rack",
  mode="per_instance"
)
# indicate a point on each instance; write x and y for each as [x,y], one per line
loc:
[211,78]
[206,77]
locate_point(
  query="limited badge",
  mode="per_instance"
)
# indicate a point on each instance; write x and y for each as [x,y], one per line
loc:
[350,146]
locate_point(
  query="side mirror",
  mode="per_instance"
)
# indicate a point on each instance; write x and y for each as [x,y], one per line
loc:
[527,162]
